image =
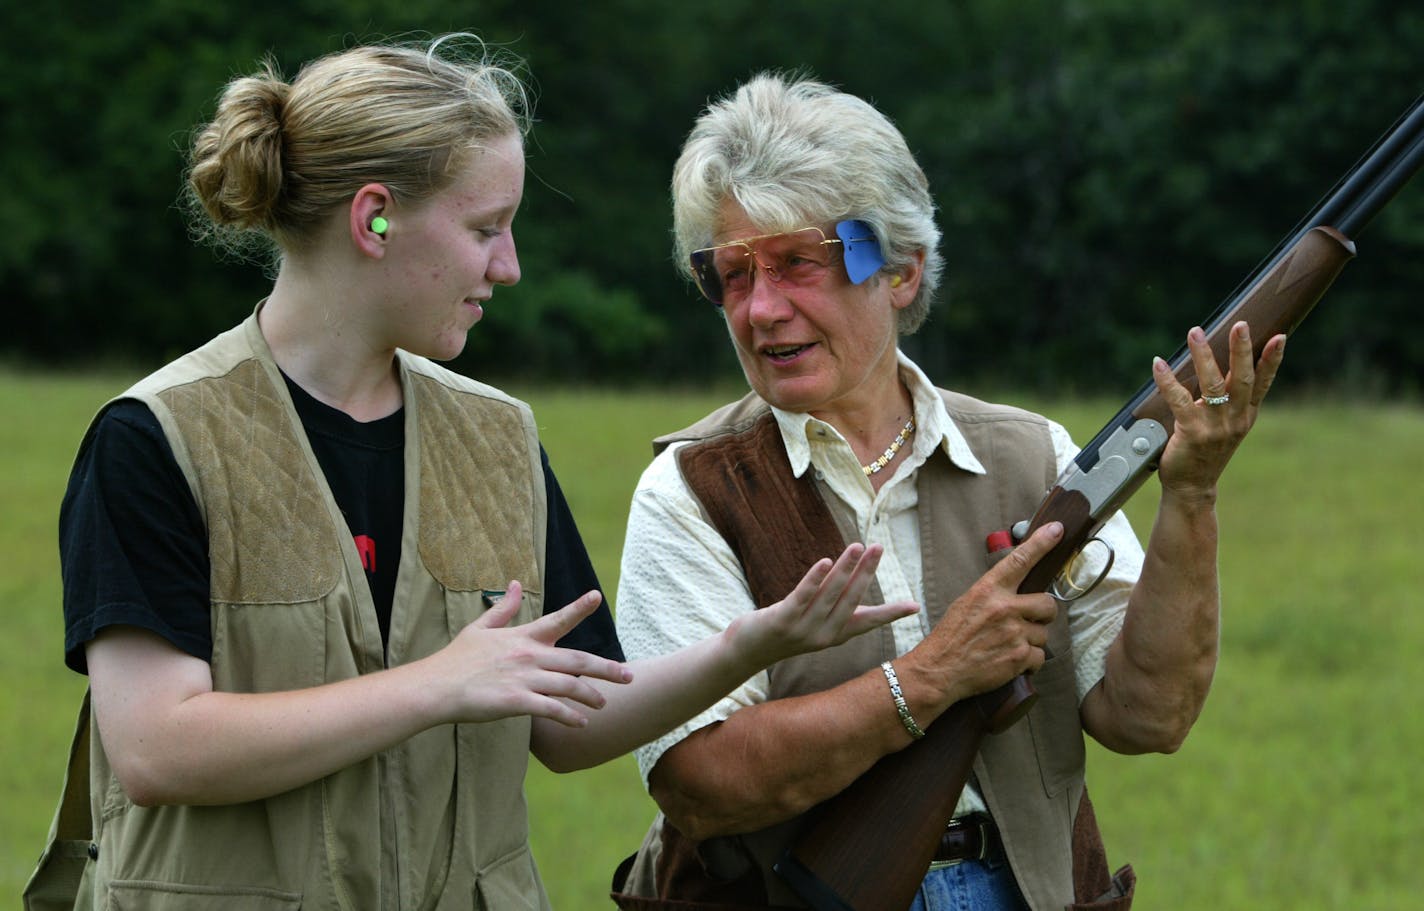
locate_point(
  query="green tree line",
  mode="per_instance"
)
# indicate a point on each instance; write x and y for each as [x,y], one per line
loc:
[1106,172]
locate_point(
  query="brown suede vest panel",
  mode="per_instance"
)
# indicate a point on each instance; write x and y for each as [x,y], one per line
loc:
[751,497]
[1031,775]
[779,526]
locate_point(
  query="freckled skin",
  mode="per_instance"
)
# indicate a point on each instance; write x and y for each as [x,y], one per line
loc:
[449,252]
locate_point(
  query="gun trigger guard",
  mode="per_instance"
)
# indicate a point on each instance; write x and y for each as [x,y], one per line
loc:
[1065,589]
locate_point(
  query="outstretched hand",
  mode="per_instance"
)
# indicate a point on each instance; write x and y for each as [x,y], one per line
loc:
[1209,428]
[492,670]
[823,609]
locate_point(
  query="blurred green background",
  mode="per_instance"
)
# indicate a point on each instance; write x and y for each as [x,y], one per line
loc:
[1106,172]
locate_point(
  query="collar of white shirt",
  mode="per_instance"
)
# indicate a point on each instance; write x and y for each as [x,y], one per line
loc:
[933,426]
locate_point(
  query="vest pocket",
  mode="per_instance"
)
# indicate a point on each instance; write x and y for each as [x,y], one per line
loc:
[59,876]
[133,895]
[1057,733]
[510,884]
[268,647]
[465,607]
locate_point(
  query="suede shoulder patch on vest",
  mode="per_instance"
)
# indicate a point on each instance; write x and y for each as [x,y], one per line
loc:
[474,459]
[776,523]
[271,538]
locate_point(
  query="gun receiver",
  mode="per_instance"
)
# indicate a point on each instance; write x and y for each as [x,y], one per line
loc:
[868,848]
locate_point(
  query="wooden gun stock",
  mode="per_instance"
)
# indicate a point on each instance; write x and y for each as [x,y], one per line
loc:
[868,848]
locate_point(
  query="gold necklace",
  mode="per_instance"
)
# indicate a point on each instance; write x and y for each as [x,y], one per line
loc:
[889,453]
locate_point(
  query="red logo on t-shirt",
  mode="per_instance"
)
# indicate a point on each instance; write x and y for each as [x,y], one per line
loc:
[366,547]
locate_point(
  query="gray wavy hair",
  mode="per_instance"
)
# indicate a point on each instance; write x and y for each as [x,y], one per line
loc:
[792,151]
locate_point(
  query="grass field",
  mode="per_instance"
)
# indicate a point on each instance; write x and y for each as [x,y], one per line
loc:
[1298,789]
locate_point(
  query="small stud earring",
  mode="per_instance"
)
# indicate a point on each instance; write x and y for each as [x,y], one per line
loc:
[379,225]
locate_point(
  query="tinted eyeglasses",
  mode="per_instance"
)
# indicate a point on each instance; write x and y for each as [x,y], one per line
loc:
[725,273]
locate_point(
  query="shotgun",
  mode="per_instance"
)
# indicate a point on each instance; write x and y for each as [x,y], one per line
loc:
[868,848]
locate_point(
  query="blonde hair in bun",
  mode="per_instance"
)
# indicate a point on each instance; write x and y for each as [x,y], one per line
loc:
[277,157]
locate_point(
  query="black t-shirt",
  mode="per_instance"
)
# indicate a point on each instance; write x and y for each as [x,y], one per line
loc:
[133,547]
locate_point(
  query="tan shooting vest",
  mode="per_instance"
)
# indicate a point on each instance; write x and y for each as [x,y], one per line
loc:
[1031,775]
[438,822]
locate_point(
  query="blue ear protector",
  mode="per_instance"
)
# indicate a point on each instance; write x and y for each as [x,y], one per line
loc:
[861,250]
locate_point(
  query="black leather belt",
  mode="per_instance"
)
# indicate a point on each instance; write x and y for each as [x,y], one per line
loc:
[972,837]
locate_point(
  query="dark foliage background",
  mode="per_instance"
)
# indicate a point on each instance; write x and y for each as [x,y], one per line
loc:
[1106,172]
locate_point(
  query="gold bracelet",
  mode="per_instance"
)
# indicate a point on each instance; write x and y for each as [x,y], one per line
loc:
[901,706]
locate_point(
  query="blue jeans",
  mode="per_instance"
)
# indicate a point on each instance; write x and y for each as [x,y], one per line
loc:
[973,885]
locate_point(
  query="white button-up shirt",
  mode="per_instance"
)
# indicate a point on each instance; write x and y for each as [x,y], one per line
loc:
[680,581]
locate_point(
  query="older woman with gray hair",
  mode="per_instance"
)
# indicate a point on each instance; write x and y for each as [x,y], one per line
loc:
[802,215]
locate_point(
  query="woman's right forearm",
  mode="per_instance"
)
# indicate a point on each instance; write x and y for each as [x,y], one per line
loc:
[774,761]
[173,740]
